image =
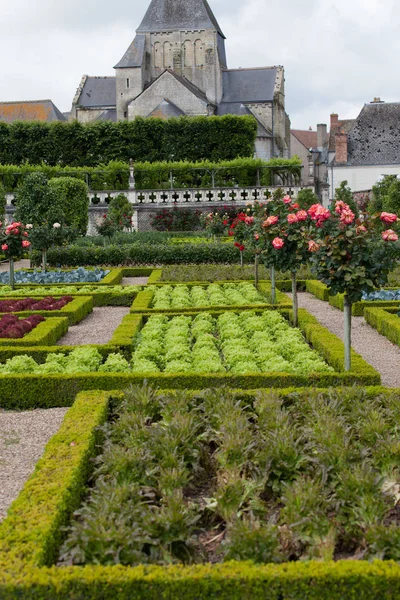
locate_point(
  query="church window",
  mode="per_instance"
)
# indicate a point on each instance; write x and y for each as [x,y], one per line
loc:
[199,53]
[158,59]
[128,83]
[167,55]
[188,54]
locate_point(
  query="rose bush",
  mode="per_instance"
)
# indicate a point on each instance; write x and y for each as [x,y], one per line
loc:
[14,242]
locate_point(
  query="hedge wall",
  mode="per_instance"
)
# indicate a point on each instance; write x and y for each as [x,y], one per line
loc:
[46,333]
[359,307]
[387,322]
[31,534]
[79,145]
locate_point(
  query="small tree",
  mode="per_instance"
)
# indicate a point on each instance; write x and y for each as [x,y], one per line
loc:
[35,199]
[46,235]
[120,212]
[73,201]
[14,242]
[106,228]
[3,201]
[306,198]
[352,256]
[216,224]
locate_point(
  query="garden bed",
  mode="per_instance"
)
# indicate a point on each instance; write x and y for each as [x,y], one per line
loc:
[117,295]
[45,331]
[75,309]
[172,298]
[320,291]
[30,537]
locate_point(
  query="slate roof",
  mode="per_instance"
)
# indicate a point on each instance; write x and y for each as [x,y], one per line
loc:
[309,139]
[234,108]
[189,85]
[133,57]
[177,15]
[32,110]
[343,126]
[108,115]
[249,85]
[375,137]
[165,110]
[98,92]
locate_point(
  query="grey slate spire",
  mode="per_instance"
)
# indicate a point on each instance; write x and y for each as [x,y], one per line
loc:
[176,15]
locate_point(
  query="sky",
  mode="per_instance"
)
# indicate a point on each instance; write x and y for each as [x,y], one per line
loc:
[337,55]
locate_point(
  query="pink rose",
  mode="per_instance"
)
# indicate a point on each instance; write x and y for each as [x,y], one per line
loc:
[287,199]
[340,206]
[390,236]
[388,217]
[292,219]
[273,220]
[361,229]
[295,205]
[249,220]
[4,247]
[313,246]
[347,216]
[319,214]
[256,237]
[302,215]
[26,244]
[278,243]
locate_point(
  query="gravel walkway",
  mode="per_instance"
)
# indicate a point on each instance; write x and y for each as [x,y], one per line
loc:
[366,341]
[20,264]
[97,328]
[23,437]
[135,280]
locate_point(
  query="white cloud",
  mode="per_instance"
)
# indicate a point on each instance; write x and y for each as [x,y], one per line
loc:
[337,54]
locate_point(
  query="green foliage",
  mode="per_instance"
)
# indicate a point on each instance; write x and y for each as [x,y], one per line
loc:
[72,199]
[3,201]
[344,193]
[306,198]
[215,273]
[76,144]
[386,195]
[176,219]
[120,212]
[386,321]
[46,333]
[36,201]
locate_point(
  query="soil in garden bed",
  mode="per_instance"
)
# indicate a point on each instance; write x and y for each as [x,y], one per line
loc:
[186,479]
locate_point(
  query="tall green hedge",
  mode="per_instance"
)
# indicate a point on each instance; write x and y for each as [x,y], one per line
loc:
[76,144]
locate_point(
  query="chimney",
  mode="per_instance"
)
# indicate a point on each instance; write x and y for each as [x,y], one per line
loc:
[377,101]
[322,135]
[334,120]
[341,148]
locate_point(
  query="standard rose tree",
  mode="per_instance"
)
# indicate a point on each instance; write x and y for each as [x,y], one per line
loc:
[14,242]
[352,255]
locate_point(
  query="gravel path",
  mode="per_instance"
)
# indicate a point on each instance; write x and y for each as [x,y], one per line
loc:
[135,280]
[23,437]
[20,264]
[97,328]
[366,341]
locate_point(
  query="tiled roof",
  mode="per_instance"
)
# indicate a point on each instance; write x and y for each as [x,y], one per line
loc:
[98,92]
[249,85]
[177,15]
[235,108]
[32,110]
[133,57]
[307,138]
[375,137]
[189,85]
[165,110]
[108,115]
[343,126]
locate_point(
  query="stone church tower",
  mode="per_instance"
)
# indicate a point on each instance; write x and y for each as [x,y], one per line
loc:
[176,65]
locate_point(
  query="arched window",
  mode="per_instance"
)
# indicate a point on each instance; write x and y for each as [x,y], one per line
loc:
[167,55]
[188,54]
[158,58]
[199,53]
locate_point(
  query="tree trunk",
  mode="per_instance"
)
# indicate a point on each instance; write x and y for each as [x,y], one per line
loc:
[295,299]
[273,286]
[44,259]
[12,279]
[241,259]
[256,264]
[347,333]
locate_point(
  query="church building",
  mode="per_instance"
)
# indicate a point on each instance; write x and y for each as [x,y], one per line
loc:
[176,66]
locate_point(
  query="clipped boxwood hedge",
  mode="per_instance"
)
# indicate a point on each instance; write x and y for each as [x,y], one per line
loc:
[318,289]
[46,333]
[31,534]
[40,353]
[386,321]
[359,307]
[75,311]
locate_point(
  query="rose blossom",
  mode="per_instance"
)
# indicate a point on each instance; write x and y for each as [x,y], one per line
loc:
[388,217]
[292,219]
[231,233]
[249,220]
[347,216]
[361,229]
[302,215]
[4,247]
[29,226]
[278,243]
[256,237]
[319,214]
[313,246]
[26,244]
[295,205]
[272,220]
[340,206]
[56,225]
[287,199]
[241,248]
[390,236]
[237,245]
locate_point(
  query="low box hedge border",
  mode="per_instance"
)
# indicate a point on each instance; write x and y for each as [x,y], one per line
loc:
[104,297]
[23,392]
[385,321]
[142,302]
[31,534]
[318,289]
[46,333]
[40,353]
[359,307]
[75,311]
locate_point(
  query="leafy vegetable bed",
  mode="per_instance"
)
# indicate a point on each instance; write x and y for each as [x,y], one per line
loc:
[382,295]
[117,295]
[48,303]
[182,296]
[207,478]
[11,327]
[79,275]
[239,344]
